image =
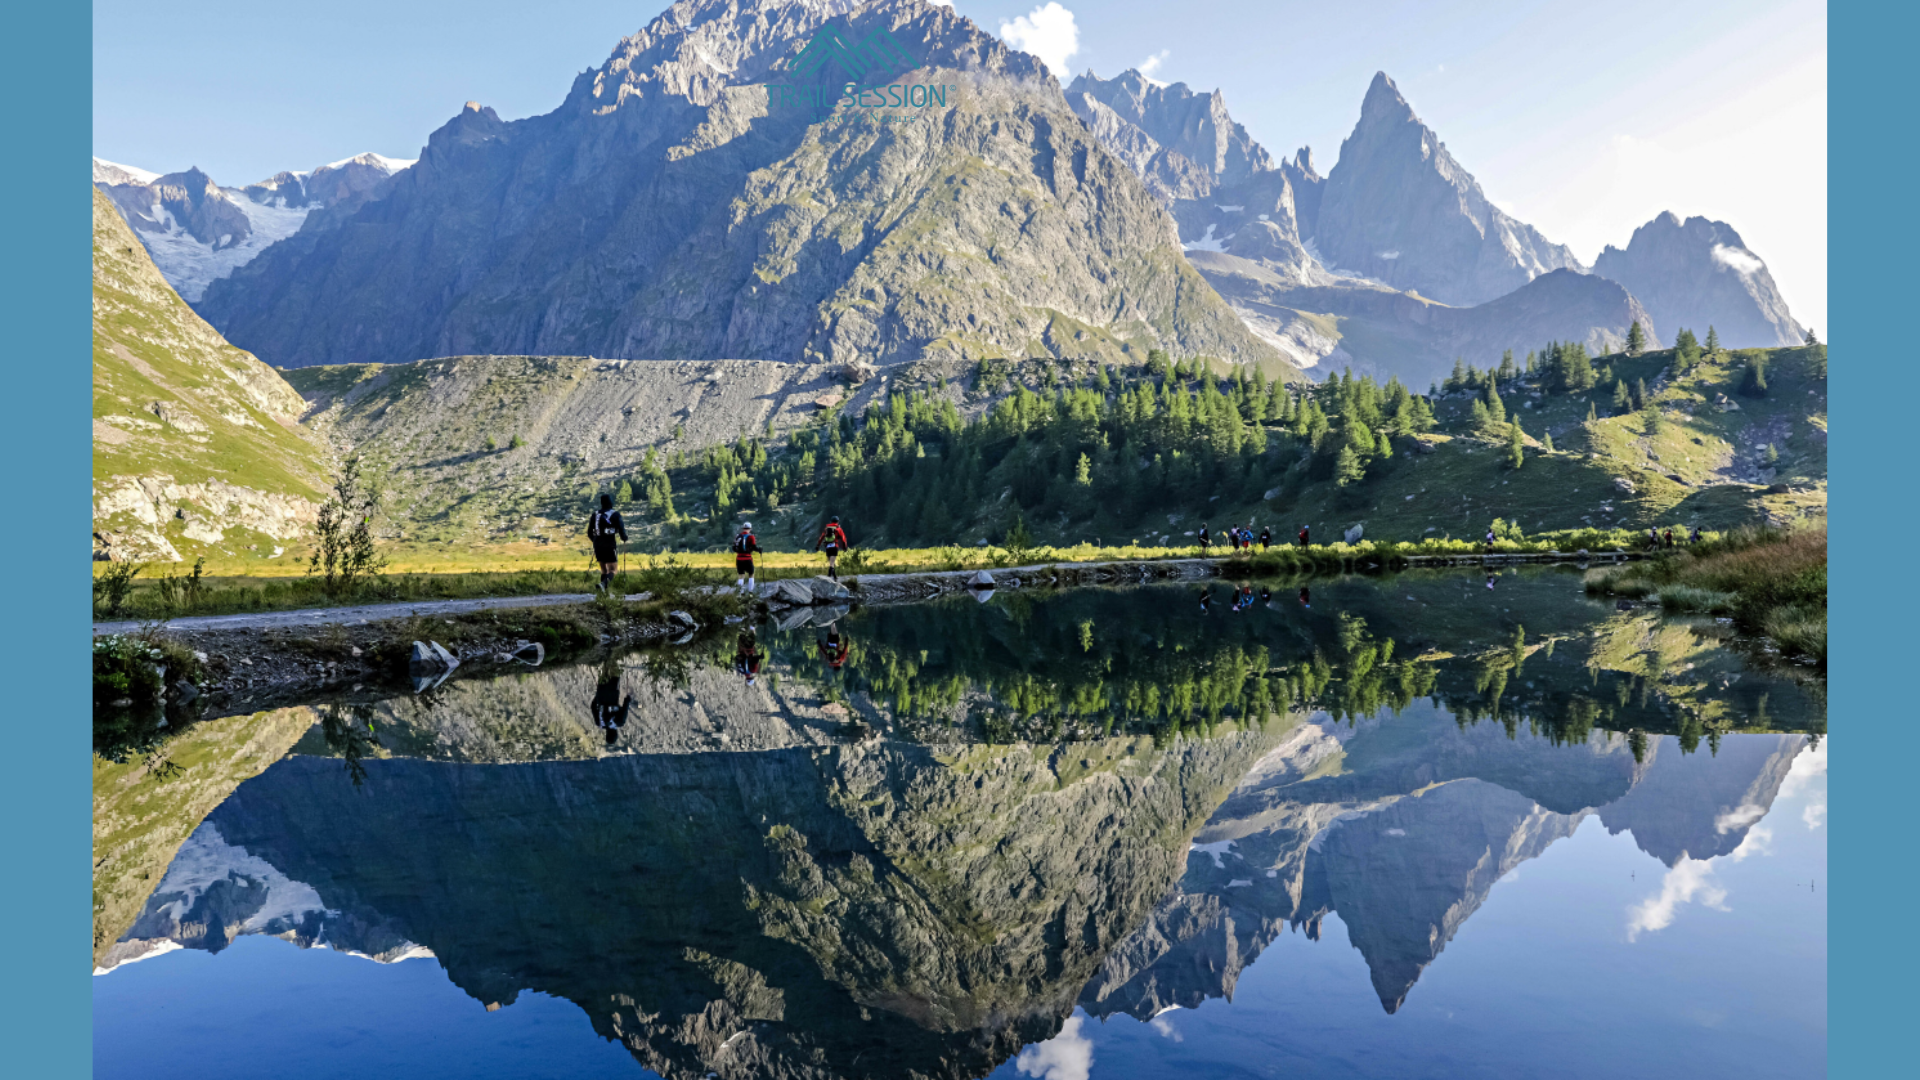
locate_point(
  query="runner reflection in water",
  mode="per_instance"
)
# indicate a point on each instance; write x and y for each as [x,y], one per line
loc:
[834,649]
[1306,597]
[1206,600]
[609,706]
[746,656]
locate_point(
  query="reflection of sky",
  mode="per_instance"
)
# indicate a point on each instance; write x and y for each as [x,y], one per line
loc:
[1725,975]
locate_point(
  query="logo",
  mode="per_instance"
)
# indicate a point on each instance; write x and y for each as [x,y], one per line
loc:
[881,51]
[867,67]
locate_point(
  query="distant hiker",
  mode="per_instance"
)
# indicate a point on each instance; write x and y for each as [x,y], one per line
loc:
[1206,539]
[1246,597]
[833,540]
[834,648]
[1489,539]
[1694,537]
[744,548]
[1303,538]
[746,656]
[1266,537]
[1669,537]
[602,528]
[1306,597]
[609,709]
[1653,539]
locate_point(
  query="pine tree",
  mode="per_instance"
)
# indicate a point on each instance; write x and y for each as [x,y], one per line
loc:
[1685,340]
[1656,421]
[1621,399]
[1546,441]
[1083,472]
[1713,339]
[1591,415]
[1458,380]
[1754,384]
[1533,362]
[1480,417]
[1348,469]
[1812,338]
[1516,444]
[1773,456]
[1636,339]
[1640,397]
[1496,409]
[1507,371]
[624,493]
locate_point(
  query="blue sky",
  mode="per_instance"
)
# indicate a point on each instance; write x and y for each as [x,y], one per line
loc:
[1584,120]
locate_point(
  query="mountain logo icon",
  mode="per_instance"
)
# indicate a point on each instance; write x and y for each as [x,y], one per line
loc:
[880,51]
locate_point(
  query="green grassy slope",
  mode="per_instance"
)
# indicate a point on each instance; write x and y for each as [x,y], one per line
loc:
[196,445]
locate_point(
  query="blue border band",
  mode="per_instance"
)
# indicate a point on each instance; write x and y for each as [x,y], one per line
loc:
[1871,959]
[45,442]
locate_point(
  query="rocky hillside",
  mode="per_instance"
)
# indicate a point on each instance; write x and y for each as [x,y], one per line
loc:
[1699,273]
[685,202]
[197,231]
[196,444]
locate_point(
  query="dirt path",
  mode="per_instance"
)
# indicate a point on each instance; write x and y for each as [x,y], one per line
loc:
[871,588]
[368,613]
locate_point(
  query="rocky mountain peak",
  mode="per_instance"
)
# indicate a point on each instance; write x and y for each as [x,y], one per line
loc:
[1398,208]
[1698,273]
[680,205]
[1384,103]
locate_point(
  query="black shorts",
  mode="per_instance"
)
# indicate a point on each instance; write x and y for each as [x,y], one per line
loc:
[604,550]
[832,551]
[743,563]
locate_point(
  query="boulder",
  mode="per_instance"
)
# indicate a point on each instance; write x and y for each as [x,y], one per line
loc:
[1353,535]
[980,580]
[826,590]
[1623,484]
[447,659]
[683,620]
[790,593]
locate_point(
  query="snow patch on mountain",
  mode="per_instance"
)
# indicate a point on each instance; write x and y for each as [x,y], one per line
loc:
[190,266]
[110,172]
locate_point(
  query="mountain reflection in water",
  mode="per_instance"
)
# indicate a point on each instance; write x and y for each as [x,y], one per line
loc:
[921,838]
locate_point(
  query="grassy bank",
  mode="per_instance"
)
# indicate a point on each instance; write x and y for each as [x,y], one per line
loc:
[1769,582]
[421,577]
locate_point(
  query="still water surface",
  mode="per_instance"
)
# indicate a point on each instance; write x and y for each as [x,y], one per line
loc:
[1408,827]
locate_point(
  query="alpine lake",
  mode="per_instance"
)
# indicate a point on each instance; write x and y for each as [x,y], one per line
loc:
[1424,825]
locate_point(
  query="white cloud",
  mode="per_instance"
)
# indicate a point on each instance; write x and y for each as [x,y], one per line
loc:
[1066,1056]
[1165,1029]
[941,3]
[1739,260]
[1690,881]
[1047,32]
[1738,818]
[1150,67]
[1759,841]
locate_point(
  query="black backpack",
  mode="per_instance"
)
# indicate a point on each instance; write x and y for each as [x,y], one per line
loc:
[600,525]
[741,544]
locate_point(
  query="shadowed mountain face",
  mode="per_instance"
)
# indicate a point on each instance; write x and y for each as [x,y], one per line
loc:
[685,202]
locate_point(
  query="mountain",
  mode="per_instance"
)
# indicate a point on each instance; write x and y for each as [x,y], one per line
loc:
[197,231]
[195,443]
[686,201]
[1699,273]
[1180,121]
[1399,208]
[1395,265]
